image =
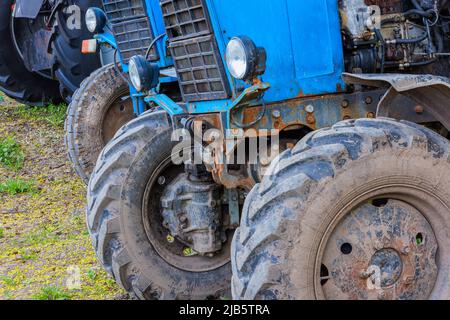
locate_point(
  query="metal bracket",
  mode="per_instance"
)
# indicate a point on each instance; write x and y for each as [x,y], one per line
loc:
[431,92]
[233,206]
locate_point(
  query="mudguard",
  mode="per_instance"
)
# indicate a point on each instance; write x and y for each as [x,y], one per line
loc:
[429,91]
[27,8]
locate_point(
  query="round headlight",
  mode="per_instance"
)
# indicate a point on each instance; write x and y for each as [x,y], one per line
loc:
[236,58]
[244,60]
[95,20]
[143,74]
[135,78]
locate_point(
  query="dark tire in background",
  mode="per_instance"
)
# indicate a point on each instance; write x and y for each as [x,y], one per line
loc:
[72,66]
[99,108]
[15,80]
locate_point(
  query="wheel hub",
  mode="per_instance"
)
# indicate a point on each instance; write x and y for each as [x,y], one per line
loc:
[119,113]
[390,264]
[381,250]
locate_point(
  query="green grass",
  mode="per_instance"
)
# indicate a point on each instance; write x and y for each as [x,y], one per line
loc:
[2,233]
[91,274]
[11,153]
[43,235]
[8,281]
[27,255]
[52,293]
[52,114]
[17,186]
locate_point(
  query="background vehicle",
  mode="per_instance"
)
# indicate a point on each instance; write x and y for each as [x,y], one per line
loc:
[351,209]
[40,56]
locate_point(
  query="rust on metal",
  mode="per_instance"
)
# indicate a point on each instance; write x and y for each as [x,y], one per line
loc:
[385,249]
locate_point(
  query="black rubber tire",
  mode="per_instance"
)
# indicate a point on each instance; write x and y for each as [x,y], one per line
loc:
[15,80]
[286,216]
[115,218]
[86,115]
[72,66]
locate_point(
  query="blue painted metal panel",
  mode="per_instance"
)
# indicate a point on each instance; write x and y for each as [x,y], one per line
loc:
[302,39]
[156,20]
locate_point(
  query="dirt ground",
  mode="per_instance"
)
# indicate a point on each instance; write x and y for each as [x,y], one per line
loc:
[45,250]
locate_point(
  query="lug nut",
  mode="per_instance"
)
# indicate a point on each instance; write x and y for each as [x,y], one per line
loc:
[276,113]
[405,250]
[345,103]
[366,275]
[309,108]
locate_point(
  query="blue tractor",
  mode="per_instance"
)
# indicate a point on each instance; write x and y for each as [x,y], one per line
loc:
[280,150]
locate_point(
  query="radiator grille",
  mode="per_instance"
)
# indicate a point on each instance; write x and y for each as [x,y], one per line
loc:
[131,27]
[194,49]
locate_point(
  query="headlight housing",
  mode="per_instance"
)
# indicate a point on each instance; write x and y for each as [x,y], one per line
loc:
[244,60]
[144,75]
[95,20]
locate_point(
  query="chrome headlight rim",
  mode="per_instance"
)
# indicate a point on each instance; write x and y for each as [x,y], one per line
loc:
[253,59]
[236,51]
[143,74]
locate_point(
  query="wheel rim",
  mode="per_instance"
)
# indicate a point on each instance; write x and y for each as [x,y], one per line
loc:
[383,248]
[172,251]
[117,114]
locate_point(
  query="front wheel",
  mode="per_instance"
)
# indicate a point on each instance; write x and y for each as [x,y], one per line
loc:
[100,107]
[357,211]
[126,198]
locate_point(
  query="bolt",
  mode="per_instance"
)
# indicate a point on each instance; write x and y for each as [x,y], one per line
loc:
[345,103]
[409,280]
[183,219]
[405,250]
[276,113]
[419,109]
[309,108]
[366,275]
[368,100]
[370,115]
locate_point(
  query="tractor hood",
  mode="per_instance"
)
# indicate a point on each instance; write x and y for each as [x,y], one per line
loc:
[302,39]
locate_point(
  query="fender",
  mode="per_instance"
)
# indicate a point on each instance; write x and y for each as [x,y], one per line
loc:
[27,8]
[431,92]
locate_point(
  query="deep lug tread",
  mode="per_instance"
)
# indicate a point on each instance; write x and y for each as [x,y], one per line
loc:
[257,260]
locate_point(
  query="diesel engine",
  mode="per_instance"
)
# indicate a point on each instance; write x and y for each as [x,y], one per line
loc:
[392,35]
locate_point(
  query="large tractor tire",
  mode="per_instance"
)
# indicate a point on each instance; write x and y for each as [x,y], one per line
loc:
[72,66]
[15,80]
[99,108]
[357,211]
[125,222]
